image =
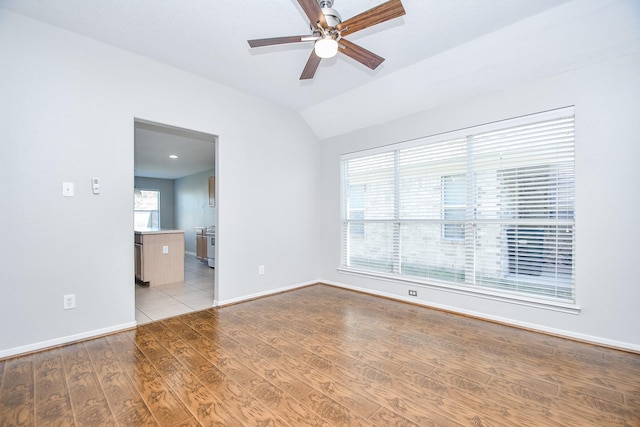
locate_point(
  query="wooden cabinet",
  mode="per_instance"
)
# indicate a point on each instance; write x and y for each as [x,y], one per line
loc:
[138,262]
[212,191]
[201,246]
[159,257]
[201,243]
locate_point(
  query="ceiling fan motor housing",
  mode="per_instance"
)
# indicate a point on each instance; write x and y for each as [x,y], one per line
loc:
[330,15]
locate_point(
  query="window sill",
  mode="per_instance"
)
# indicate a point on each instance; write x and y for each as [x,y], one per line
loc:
[511,298]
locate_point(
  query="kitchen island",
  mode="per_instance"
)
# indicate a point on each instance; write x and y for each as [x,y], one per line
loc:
[159,257]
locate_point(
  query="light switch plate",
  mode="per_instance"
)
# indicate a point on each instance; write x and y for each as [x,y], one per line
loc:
[95,185]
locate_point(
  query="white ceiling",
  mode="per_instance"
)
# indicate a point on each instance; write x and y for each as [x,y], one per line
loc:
[209,37]
[154,143]
[439,52]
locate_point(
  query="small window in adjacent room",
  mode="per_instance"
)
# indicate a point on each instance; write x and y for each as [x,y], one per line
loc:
[146,210]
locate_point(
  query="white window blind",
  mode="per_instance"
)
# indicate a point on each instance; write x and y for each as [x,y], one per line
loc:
[487,209]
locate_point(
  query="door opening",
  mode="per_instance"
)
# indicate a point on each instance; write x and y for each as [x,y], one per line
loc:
[178,166]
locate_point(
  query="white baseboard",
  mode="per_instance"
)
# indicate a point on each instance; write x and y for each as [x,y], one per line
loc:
[98,332]
[535,327]
[222,303]
[64,340]
[530,326]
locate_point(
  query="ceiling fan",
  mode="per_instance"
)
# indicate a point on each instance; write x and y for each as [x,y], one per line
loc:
[328,32]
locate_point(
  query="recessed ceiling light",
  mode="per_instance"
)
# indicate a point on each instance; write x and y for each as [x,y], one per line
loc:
[173,156]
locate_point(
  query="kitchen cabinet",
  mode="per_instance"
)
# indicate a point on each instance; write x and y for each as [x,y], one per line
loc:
[159,257]
[137,253]
[212,191]
[201,243]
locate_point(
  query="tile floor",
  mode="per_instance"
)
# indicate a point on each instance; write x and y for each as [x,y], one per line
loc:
[195,293]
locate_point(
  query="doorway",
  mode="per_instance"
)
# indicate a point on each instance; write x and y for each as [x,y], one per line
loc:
[179,165]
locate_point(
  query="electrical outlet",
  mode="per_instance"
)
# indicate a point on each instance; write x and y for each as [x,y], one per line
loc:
[67,189]
[165,249]
[413,293]
[260,270]
[69,301]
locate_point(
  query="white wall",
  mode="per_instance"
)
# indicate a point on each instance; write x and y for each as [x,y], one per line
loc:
[192,206]
[67,114]
[607,107]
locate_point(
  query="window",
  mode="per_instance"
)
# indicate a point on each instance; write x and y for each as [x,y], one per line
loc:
[490,208]
[146,214]
[454,200]
[371,195]
[356,211]
[538,192]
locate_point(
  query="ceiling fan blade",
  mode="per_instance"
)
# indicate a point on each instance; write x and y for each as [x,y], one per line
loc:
[314,13]
[311,67]
[275,40]
[360,54]
[384,12]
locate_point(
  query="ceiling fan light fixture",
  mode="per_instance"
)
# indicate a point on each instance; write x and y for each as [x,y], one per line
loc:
[329,31]
[326,47]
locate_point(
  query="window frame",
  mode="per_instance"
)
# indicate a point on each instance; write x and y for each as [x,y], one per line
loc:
[555,303]
[150,211]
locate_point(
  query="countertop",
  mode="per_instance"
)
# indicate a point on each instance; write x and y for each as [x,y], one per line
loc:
[159,232]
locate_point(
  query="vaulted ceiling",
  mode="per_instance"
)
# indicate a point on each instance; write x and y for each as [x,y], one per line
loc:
[209,39]
[439,52]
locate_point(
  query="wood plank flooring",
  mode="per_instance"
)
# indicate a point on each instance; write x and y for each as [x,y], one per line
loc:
[322,356]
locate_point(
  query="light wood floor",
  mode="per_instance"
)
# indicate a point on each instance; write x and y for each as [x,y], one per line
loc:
[323,356]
